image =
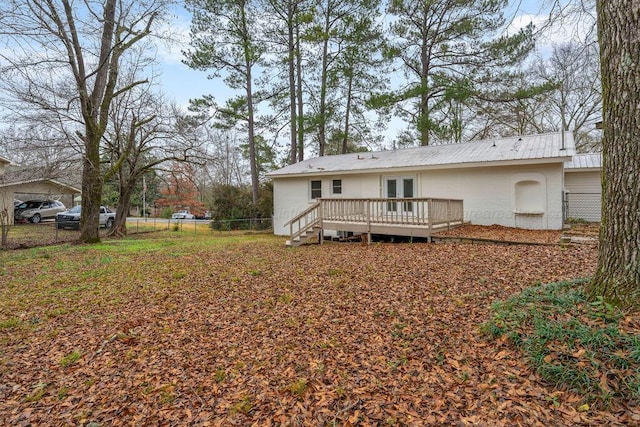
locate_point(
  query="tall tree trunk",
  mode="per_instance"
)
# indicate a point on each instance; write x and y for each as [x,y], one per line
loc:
[292,12]
[299,96]
[423,115]
[119,228]
[347,115]
[423,120]
[252,142]
[618,275]
[322,119]
[91,191]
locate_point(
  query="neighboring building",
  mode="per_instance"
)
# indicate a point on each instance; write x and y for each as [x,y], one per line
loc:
[515,182]
[18,182]
[583,185]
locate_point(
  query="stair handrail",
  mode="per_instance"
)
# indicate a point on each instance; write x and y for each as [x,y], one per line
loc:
[308,224]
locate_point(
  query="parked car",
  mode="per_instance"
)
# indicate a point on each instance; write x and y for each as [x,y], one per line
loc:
[36,210]
[71,218]
[205,215]
[17,202]
[183,215]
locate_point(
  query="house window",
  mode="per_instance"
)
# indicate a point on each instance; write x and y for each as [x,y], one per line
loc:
[336,186]
[316,189]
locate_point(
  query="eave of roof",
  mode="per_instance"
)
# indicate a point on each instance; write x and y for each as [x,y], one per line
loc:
[63,186]
[584,162]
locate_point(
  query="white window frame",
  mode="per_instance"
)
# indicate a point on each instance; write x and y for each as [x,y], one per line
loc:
[333,186]
[311,189]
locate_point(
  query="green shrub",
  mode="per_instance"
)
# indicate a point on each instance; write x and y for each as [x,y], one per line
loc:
[572,343]
[166,212]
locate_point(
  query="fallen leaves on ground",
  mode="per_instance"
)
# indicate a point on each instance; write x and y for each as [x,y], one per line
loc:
[501,233]
[189,330]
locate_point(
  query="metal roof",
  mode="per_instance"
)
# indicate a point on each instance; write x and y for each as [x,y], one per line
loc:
[489,152]
[585,161]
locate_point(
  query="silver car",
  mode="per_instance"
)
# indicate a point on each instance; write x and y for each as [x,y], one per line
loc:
[36,210]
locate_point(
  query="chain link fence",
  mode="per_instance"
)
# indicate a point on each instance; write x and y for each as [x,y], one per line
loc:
[586,206]
[19,236]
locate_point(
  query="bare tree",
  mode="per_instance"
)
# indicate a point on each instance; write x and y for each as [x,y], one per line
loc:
[575,104]
[41,151]
[80,46]
[143,134]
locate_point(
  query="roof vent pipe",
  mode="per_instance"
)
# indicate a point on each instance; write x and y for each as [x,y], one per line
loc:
[562,148]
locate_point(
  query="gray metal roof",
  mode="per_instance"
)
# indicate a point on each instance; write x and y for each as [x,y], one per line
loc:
[489,152]
[585,161]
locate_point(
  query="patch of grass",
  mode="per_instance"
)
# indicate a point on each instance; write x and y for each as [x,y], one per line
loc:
[63,393]
[572,220]
[37,393]
[335,272]
[244,406]
[298,388]
[70,359]
[572,343]
[177,275]
[57,312]
[285,298]
[9,323]
[220,375]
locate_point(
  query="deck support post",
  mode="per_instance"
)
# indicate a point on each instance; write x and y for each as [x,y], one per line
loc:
[368,221]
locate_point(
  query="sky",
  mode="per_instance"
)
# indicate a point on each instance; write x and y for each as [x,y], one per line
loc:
[180,83]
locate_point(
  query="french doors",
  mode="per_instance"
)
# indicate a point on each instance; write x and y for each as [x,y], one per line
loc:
[399,187]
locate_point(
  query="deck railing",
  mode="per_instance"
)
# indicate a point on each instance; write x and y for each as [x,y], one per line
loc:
[304,221]
[418,212]
[407,211]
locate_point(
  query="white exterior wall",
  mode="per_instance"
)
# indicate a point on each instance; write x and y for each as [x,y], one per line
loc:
[489,193]
[293,195]
[583,181]
[584,194]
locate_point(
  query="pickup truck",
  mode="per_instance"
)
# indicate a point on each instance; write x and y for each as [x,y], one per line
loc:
[71,218]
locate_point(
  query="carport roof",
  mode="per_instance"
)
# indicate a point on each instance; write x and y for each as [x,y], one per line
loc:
[57,185]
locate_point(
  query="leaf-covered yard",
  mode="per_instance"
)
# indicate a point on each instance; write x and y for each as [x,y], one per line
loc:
[181,329]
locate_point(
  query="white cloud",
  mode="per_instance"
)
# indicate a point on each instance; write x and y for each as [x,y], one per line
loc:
[555,28]
[174,37]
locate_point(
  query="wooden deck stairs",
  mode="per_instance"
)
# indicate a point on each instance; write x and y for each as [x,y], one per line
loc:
[415,217]
[305,226]
[310,235]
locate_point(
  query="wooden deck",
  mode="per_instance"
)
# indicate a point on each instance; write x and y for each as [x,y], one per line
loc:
[417,217]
